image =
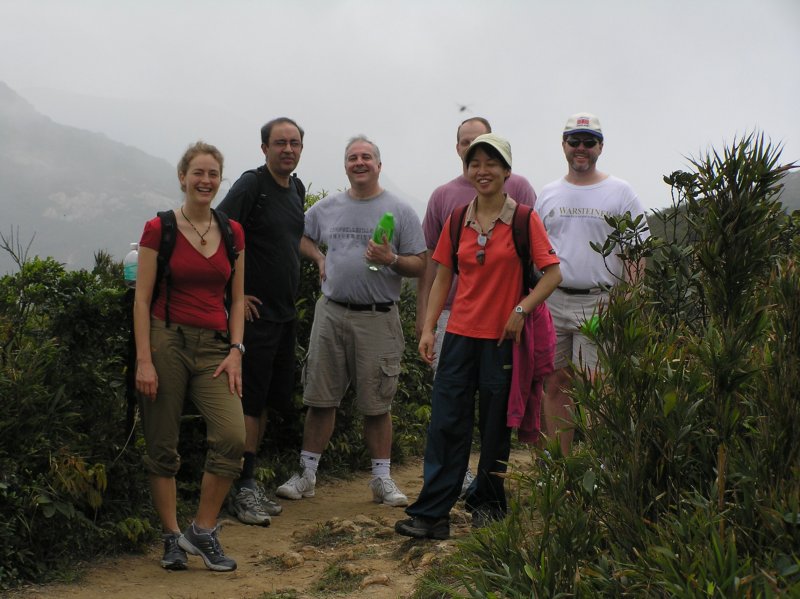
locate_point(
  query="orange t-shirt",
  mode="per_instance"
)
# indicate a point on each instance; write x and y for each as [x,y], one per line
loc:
[488,292]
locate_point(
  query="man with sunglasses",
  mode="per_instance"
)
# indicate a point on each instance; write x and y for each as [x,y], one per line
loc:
[573,210]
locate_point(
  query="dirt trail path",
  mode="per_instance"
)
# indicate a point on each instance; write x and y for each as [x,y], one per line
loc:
[340,528]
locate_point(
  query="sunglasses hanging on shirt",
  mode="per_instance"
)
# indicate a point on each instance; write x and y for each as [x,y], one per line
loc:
[480,255]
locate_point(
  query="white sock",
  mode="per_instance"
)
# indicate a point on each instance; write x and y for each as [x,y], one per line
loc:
[310,460]
[381,468]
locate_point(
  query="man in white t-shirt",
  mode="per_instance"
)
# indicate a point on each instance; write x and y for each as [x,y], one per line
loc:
[573,211]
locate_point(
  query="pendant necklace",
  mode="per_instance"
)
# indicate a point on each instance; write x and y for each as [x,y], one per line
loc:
[191,224]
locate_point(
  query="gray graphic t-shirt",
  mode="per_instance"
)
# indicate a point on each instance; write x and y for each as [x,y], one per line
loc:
[345,226]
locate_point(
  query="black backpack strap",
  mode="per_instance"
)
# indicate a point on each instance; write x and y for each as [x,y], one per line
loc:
[301,190]
[456,225]
[227,237]
[520,232]
[130,366]
[169,230]
[253,206]
[257,206]
[230,249]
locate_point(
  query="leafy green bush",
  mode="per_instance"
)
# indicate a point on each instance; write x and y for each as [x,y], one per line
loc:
[66,485]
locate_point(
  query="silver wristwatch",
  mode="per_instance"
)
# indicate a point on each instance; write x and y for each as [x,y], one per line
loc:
[239,346]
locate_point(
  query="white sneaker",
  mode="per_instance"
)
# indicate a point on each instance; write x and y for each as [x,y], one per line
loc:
[299,486]
[384,490]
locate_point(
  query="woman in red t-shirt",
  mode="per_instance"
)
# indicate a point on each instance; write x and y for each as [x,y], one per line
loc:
[198,355]
[487,316]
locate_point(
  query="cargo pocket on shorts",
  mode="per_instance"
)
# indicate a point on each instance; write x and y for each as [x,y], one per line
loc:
[390,375]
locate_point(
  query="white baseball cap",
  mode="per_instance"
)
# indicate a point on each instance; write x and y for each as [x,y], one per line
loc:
[583,122]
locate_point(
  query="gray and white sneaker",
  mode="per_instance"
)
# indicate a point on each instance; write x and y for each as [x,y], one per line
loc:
[245,504]
[208,547]
[271,507]
[174,557]
[465,484]
[384,490]
[298,486]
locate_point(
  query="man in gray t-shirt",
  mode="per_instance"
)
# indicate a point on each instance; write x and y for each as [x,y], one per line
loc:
[356,335]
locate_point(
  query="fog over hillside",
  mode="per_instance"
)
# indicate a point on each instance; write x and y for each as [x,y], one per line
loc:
[790,194]
[72,191]
[75,192]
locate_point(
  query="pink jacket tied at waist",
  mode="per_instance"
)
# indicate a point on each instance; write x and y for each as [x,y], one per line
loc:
[533,359]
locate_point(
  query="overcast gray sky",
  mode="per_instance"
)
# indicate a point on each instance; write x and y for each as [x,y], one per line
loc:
[667,78]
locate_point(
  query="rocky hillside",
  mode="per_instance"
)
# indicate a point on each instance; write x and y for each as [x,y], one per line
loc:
[72,191]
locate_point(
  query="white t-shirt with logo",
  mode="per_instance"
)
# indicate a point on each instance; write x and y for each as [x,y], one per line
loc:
[574,215]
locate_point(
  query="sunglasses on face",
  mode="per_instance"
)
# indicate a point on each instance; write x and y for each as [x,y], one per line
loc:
[587,143]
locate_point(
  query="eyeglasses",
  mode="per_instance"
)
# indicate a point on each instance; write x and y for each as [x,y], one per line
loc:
[282,143]
[480,255]
[587,143]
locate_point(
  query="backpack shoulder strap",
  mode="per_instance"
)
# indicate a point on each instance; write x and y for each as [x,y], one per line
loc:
[301,190]
[169,231]
[456,225]
[261,195]
[520,232]
[230,249]
[227,237]
[251,206]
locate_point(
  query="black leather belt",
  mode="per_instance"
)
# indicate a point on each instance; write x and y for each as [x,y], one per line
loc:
[573,291]
[376,307]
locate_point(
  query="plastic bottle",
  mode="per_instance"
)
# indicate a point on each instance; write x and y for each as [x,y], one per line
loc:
[129,265]
[385,226]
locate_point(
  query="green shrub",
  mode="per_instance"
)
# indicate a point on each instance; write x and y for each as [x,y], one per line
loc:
[66,484]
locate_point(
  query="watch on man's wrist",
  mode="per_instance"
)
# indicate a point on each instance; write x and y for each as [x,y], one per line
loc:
[239,346]
[520,310]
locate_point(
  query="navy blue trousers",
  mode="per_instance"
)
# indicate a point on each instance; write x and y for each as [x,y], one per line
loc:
[467,365]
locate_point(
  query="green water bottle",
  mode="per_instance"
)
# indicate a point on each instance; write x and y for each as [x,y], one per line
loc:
[385,226]
[591,326]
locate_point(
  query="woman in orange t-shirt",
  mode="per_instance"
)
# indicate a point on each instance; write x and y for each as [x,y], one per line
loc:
[486,318]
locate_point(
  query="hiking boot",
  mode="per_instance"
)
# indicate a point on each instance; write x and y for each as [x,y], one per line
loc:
[271,507]
[384,490]
[424,528]
[245,504]
[174,557]
[208,547]
[482,517]
[466,483]
[299,486]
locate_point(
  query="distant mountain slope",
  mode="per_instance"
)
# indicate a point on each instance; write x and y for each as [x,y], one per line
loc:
[77,191]
[790,196]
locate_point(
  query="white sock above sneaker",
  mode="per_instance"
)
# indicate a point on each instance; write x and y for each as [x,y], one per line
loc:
[310,460]
[381,468]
